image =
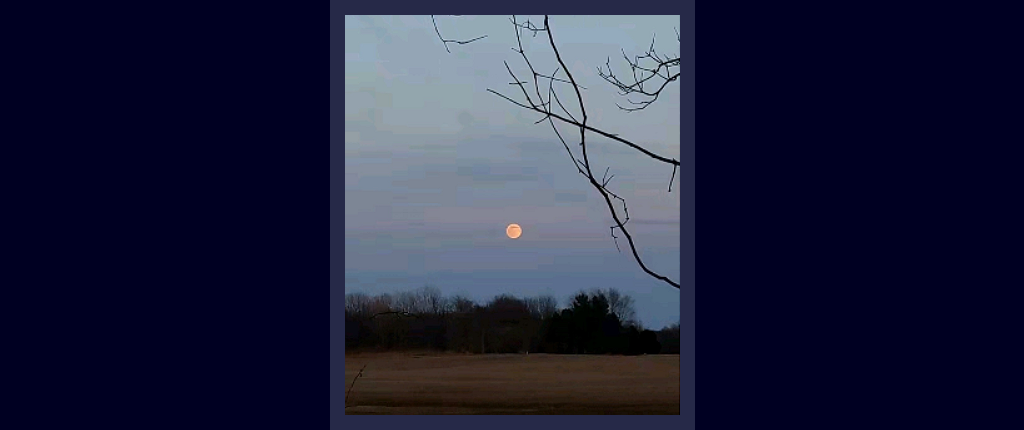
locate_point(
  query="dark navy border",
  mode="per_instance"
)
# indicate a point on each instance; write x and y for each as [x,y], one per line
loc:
[688,216]
[337,226]
[184,277]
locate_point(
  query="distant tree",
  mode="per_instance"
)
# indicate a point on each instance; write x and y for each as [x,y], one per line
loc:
[621,305]
[381,303]
[649,342]
[430,300]
[510,324]
[547,305]
[588,326]
[506,324]
[669,338]
[351,331]
[632,341]
[462,304]
[359,304]
[462,325]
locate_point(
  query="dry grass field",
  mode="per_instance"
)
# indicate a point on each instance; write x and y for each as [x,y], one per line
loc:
[436,383]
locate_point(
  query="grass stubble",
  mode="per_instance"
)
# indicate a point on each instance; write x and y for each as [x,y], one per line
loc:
[511,384]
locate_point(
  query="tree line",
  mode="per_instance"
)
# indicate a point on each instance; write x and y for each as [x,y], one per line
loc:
[596,322]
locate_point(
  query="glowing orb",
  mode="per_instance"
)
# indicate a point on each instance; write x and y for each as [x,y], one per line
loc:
[513,231]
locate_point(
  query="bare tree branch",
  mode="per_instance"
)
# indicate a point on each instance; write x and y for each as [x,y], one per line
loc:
[447,41]
[603,133]
[400,313]
[559,80]
[347,393]
[527,26]
[636,86]
[545,108]
[673,178]
[615,238]
[590,175]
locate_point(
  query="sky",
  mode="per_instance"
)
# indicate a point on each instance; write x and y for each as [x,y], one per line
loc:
[436,166]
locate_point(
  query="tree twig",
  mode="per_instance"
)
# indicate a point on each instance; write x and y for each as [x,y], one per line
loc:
[637,85]
[401,313]
[353,385]
[447,41]
[601,132]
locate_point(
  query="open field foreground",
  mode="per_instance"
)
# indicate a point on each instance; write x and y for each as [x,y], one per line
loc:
[407,383]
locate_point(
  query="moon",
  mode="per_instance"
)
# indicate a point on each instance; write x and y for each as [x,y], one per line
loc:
[513,231]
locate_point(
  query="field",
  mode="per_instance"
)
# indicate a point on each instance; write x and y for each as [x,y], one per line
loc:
[414,383]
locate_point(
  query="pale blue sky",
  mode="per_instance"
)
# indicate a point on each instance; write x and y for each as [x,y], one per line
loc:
[436,166]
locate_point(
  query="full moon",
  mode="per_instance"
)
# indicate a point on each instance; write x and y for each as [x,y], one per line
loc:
[513,231]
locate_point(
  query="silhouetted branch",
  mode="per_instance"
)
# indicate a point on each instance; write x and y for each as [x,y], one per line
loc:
[400,313]
[636,86]
[603,133]
[616,239]
[353,385]
[590,175]
[555,94]
[559,80]
[672,179]
[447,41]
[527,26]
[584,166]
[605,178]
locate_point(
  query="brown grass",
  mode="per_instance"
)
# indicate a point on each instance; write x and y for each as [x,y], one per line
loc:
[432,383]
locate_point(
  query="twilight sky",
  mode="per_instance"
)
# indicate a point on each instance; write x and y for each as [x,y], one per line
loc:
[436,167]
